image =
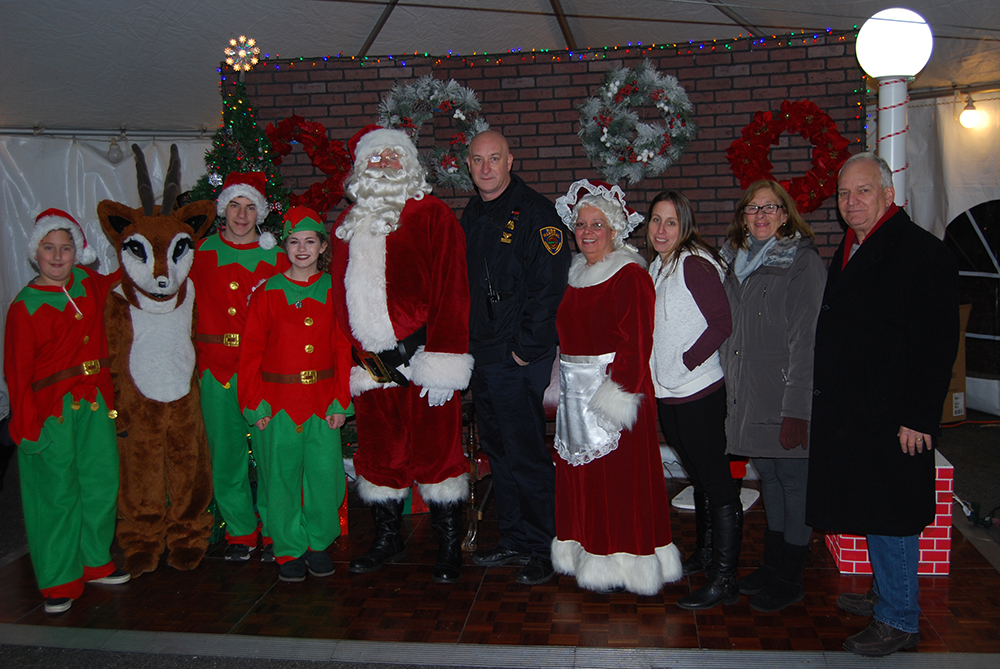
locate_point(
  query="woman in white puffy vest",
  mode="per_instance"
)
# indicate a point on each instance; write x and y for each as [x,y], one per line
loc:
[692,321]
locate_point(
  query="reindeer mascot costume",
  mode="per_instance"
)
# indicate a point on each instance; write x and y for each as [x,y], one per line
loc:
[166,475]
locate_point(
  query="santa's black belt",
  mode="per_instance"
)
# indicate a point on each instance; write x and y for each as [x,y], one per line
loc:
[383,366]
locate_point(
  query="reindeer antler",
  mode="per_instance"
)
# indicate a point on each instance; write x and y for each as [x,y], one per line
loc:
[145,186]
[172,182]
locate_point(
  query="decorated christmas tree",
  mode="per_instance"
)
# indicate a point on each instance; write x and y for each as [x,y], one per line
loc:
[241,146]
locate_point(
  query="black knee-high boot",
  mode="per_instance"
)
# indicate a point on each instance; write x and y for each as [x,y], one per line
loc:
[388,545]
[721,585]
[701,558]
[446,519]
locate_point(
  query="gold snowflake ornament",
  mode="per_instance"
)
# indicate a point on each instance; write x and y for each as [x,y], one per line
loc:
[241,54]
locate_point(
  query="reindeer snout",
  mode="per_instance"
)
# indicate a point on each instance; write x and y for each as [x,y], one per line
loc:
[163,282]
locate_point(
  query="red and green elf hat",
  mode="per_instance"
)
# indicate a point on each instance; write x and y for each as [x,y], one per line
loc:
[299,219]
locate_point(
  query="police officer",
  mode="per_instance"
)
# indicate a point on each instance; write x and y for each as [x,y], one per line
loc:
[518,263]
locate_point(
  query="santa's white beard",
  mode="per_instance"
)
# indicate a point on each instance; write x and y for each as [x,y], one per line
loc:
[380,195]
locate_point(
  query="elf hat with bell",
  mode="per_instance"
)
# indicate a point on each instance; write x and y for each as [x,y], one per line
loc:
[300,219]
[57,219]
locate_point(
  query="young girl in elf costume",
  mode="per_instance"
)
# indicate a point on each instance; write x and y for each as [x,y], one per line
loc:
[294,375]
[62,413]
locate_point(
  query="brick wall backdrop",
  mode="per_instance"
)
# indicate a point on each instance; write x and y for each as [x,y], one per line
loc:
[534,104]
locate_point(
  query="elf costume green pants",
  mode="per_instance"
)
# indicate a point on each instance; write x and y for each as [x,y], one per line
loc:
[303,470]
[69,491]
[227,444]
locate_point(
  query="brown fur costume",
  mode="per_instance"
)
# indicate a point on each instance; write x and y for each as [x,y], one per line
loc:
[166,475]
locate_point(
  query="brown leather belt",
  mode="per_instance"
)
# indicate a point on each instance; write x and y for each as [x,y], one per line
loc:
[306,377]
[88,368]
[228,339]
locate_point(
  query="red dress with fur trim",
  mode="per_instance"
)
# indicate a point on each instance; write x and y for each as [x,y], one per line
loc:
[385,288]
[613,514]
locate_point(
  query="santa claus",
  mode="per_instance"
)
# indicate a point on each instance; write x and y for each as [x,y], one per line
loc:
[401,291]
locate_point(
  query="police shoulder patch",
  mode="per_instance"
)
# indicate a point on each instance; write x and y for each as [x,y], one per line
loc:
[552,239]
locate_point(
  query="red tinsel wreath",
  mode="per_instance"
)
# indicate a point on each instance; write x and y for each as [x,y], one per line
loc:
[330,157]
[748,155]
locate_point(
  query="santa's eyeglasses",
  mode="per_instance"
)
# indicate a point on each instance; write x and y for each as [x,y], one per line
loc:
[388,154]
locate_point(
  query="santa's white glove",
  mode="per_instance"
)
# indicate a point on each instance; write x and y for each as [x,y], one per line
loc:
[436,397]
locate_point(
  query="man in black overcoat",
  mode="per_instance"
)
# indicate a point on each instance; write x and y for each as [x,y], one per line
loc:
[886,341]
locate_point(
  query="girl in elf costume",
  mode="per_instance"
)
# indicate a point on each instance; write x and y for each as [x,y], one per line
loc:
[294,375]
[62,413]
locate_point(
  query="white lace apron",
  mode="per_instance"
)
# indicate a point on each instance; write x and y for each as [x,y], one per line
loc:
[581,436]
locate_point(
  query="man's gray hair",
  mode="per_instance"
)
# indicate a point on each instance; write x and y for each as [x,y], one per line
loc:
[883,166]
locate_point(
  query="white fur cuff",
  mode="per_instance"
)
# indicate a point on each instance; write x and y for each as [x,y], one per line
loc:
[373,494]
[615,405]
[641,574]
[455,489]
[448,371]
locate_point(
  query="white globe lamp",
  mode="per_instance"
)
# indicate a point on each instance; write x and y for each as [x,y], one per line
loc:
[892,47]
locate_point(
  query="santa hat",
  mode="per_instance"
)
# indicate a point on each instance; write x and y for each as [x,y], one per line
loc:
[373,139]
[624,224]
[252,186]
[300,219]
[57,219]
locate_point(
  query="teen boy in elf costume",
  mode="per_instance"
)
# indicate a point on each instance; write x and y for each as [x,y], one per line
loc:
[295,365]
[62,413]
[227,268]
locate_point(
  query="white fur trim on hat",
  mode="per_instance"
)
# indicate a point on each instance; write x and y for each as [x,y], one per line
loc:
[242,190]
[54,219]
[377,141]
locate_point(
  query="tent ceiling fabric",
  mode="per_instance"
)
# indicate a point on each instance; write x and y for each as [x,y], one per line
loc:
[152,65]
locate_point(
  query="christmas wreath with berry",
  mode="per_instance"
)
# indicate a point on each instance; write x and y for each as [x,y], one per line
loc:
[408,106]
[620,145]
[748,155]
[330,157]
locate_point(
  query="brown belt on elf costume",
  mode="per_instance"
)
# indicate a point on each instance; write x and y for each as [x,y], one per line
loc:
[383,366]
[88,368]
[228,339]
[305,377]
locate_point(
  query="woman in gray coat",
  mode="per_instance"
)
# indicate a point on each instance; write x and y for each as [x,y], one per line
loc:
[775,286]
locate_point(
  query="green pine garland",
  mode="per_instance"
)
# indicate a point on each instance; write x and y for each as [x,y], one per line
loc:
[617,143]
[407,106]
[239,145]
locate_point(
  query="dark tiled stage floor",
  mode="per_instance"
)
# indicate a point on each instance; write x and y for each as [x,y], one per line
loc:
[961,613]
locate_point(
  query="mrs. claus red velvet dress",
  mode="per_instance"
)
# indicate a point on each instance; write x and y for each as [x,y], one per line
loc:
[612,513]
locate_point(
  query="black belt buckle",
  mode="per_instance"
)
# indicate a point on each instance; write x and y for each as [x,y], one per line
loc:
[377,369]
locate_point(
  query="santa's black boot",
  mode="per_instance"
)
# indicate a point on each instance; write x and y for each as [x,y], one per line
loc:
[446,519]
[388,545]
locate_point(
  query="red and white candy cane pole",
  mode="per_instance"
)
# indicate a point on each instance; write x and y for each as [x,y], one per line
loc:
[893,97]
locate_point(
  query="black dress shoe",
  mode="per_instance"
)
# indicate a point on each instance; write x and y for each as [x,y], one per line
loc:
[879,640]
[498,557]
[538,570]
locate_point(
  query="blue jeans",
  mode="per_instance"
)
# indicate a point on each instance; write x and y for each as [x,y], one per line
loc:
[894,565]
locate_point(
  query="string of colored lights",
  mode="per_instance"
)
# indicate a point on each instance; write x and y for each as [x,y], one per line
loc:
[593,53]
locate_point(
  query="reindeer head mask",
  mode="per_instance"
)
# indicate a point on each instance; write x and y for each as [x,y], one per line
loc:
[155,244]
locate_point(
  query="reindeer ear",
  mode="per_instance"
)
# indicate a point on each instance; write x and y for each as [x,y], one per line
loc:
[199,215]
[115,217]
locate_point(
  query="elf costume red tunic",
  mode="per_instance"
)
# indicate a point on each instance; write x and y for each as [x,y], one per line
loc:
[294,368]
[612,511]
[386,287]
[225,275]
[62,419]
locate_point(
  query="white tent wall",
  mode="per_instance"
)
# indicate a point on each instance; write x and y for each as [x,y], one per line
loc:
[37,173]
[952,169]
